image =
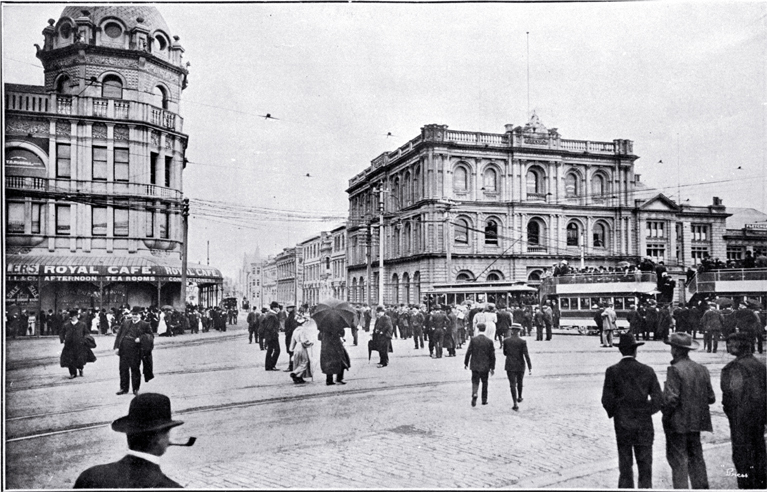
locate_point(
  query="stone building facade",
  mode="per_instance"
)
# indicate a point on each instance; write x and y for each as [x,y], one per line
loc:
[94,163]
[465,206]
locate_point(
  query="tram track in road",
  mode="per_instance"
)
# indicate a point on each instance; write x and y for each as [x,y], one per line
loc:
[346,391]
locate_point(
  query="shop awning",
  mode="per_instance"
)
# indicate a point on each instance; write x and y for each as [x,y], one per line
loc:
[105,268]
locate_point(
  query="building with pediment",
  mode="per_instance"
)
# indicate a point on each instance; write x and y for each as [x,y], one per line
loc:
[473,206]
[94,162]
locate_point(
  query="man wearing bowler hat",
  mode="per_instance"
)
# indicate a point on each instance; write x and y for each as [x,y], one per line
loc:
[686,397]
[128,348]
[631,395]
[147,427]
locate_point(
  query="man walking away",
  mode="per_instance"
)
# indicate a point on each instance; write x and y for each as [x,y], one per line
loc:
[744,398]
[711,323]
[253,325]
[631,395]
[503,325]
[417,319]
[609,319]
[271,325]
[686,397]
[481,355]
[515,350]
[382,333]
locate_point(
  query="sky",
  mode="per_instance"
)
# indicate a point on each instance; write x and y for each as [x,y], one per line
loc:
[687,82]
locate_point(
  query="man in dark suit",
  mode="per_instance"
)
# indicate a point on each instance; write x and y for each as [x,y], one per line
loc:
[631,395]
[515,350]
[481,355]
[382,334]
[128,348]
[438,325]
[503,324]
[271,326]
[147,427]
[253,319]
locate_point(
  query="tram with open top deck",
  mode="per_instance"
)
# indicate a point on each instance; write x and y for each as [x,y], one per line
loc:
[740,285]
[579,295]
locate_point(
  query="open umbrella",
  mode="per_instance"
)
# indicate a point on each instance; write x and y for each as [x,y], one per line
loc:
[334,311]
[723,302]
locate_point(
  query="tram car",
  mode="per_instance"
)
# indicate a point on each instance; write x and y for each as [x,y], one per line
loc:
[497,292]
[579,296]
[740,285]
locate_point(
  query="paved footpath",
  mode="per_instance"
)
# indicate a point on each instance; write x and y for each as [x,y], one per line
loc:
[409,425]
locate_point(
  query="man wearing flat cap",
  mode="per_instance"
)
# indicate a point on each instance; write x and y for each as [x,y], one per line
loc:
[147,427]
[744,398]
[515,350]
[631,395]
[686,397]
[128,348]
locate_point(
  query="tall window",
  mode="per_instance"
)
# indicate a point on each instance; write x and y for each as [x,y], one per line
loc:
[656,252]
[36,215]
[408,238]
[112,87]
[164,224]
[150,224]
[168,167]
[598,186]
[655,229]
[491,233]
[63,220]
[698,253]
[461,179]
[490,182]
[571,185]
[122,165]
[533,182]
[461,231]
[63,161]
[416,189]
[63,85]
[573,234]
[533,233]
[15,212]
[121,220]
[99,163]
[600,235]
[153,158]
[160,97]
[699,233]
[99,221]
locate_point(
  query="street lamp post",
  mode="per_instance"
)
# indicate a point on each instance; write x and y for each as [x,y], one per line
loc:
[448,204]
[381,230]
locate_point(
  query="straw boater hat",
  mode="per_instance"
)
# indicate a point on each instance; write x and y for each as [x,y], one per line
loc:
[516,327]
[148,412]
[682,340]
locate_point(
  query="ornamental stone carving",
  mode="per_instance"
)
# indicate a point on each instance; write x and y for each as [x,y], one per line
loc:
[16,127]
[155,139]
[122,133]
[169,142]
[112,61]
[99,130]
[63,128]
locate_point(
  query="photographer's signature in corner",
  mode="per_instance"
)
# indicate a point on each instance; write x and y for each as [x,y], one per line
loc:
[730,472]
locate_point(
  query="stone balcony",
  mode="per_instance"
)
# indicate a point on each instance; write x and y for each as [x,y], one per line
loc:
[111,109]
[72,186]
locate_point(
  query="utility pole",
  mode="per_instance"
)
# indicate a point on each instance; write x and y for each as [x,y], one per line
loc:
[184,249]
[583,252]
[381,245]
[369,252]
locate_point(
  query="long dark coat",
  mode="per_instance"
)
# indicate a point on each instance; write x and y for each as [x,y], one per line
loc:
[75,353]
[333,356]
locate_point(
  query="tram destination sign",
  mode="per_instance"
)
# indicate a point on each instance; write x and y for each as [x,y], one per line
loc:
[108,273]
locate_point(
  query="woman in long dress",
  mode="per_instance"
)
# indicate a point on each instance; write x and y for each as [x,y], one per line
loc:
[489,318]
[301,344]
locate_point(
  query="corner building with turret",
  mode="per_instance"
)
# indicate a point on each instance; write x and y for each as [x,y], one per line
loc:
[463,206]
[94,163]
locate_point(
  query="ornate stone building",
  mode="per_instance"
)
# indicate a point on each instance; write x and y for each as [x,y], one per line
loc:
[465,206]
[94,163]
[324,272]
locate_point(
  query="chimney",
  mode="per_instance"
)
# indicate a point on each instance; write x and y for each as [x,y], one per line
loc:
[636,177]
[717,201]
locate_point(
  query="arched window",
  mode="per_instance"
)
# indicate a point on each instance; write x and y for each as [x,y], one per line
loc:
[533,233]
[160,97]
[494,276]
[112,87]
[408,239]
[534,182]
[395,198]
[363,297]
[416,189]
[417,286]
[406,288]
[600,235]
[63,85]
[396,240]
[160,43]
[407,190]
[354,290]
[571,185]
[461,231]
[461,179]
[598,186]
[464,276]
[418,234]
[573,234]
[395,288]
[490,180]
[491,233]
[534,276]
